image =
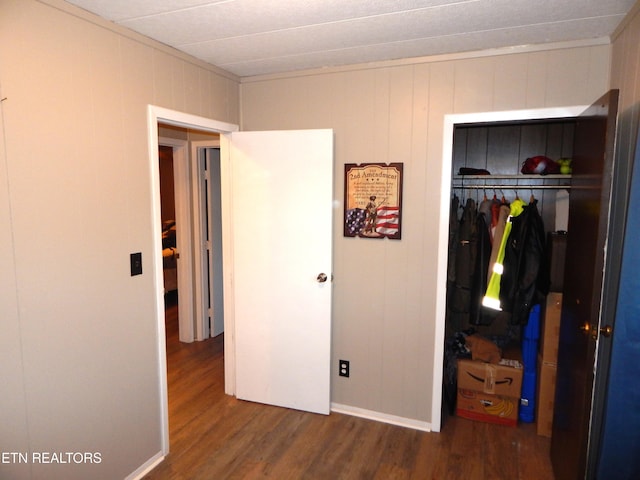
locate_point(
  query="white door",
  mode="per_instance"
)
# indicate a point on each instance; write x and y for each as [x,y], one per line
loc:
[209,259]
[282,202]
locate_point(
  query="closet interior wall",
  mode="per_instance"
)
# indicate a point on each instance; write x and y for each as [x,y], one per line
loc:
[501,148]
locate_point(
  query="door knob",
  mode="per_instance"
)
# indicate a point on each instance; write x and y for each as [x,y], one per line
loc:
[585,328]
[321,278]
[606,331]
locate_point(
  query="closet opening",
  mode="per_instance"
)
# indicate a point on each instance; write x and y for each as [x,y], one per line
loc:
[495,273]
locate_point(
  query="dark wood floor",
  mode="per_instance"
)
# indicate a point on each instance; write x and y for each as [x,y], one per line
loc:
[214,436]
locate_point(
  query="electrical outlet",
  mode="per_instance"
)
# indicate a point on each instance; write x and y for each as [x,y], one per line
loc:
[344,368]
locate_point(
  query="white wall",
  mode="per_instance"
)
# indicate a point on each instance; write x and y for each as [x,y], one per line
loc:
[78,346]
[384,300]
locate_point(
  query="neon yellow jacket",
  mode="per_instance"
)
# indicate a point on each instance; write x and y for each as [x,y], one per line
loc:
[492,297]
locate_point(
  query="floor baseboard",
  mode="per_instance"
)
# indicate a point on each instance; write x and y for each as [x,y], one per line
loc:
[382,417]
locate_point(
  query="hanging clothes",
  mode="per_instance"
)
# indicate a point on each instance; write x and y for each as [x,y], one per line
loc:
[498,233]
[478,315]
[525,281]
[492,296]
[460,301]
[502,278]
[495,214]
[485,209]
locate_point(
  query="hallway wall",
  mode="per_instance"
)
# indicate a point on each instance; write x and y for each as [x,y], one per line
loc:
[78,345]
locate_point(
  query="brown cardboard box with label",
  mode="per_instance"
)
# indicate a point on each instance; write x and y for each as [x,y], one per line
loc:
[489,392]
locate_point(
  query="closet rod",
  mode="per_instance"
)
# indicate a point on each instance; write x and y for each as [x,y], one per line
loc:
[512,187]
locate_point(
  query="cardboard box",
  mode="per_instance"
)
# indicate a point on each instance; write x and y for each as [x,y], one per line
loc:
[490,378]
[487,408]
[488,392]
[551,328]
[546,398]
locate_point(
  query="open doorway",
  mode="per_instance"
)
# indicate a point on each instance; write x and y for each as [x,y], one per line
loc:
[159,120]
[189,358]
[262,272]
[170,252]
[176,237]
[189,176]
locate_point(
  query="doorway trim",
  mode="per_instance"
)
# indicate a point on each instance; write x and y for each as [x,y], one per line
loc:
[450,121]
[158,115]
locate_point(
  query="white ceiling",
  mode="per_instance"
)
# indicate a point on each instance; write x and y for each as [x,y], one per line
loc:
[254,37]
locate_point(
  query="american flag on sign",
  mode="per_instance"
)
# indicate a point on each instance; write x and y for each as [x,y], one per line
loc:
[354,222]
[388,220]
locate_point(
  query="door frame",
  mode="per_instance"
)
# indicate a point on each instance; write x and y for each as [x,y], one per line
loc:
[450,121]
[158,115]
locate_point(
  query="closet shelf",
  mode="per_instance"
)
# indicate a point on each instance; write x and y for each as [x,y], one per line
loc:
[512,182]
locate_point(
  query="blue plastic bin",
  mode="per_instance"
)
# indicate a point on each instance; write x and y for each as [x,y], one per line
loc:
[527,398]
[530,338]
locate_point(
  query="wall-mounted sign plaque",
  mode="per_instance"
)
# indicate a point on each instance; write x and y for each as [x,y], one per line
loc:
[373,200]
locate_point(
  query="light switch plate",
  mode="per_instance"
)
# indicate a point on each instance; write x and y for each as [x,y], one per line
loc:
[136,264]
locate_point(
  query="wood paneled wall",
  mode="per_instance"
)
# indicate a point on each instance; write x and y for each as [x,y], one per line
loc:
[78,341]
[625,76]
[385,291]
[78,335]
